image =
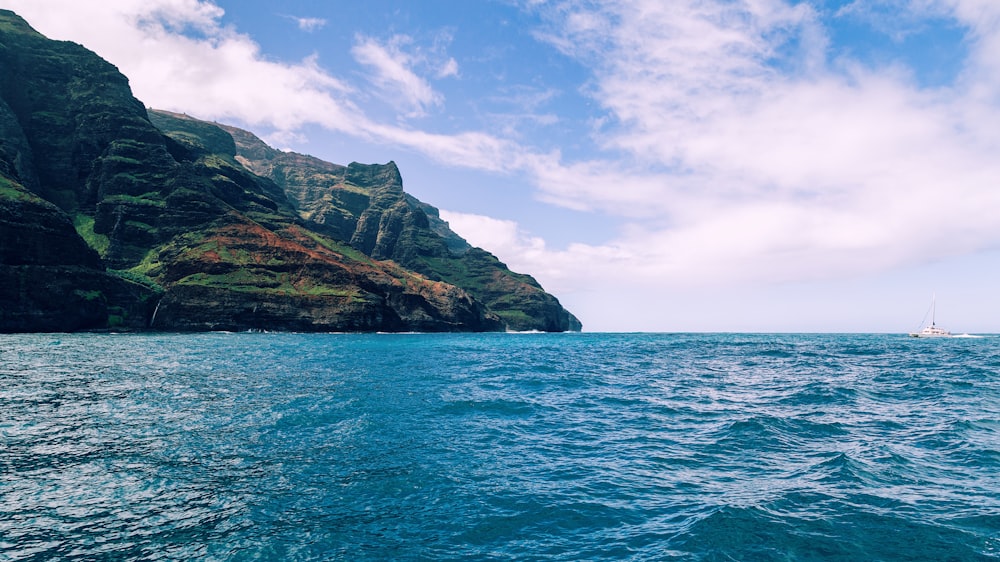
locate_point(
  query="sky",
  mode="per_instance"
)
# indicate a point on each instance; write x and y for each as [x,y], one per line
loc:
[681,165]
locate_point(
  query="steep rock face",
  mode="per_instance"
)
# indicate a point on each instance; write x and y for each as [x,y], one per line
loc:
[50,280]
[62,109]
[240,275]
[75,111]
[194,238]
[305,180]
[88,145]
[35,232]
[16,157]
[366,206]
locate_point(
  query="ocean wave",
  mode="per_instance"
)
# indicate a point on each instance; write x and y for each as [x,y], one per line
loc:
[486,446]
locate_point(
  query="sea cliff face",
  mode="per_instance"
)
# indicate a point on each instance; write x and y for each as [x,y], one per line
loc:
[366,206]
[111,221]
[50,280]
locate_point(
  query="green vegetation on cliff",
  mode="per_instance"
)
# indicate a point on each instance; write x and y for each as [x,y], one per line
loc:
[365,205]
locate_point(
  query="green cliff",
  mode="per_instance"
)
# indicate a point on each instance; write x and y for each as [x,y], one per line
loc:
[109,222]
[366,206]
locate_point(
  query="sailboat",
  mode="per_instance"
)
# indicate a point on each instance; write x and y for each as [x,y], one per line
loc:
[931,330]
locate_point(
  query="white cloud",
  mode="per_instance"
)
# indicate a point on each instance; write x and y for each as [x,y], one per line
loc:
[394,75]
[309,24]
[557,270]
[483,231]
[765,172]
[448,68]
[750,172]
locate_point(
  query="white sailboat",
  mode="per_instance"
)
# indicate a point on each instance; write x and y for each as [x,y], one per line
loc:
[932,330]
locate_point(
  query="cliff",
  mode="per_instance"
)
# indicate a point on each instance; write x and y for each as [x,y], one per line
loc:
[50,280]
[366,206]
[107,222]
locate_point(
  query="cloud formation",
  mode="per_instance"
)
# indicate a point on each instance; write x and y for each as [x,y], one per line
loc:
[757,157]
[309,24]
[394,75]
[762,158]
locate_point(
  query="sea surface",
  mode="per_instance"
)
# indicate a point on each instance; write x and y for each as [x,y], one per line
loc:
[706,447]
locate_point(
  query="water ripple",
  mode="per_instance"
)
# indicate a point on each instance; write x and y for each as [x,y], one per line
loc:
[498,446]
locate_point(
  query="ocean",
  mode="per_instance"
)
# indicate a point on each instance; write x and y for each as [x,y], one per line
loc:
[702,447]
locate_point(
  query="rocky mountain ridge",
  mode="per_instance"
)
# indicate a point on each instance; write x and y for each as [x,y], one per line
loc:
[112,217]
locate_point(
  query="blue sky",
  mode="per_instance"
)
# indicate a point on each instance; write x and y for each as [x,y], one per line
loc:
[692,165]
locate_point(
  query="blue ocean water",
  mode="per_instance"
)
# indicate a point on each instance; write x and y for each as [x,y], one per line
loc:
[704,447]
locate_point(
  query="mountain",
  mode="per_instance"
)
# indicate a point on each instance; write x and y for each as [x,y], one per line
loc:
[366,207]
[111,220]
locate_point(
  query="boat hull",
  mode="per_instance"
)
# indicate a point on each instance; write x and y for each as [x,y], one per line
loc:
[931,332]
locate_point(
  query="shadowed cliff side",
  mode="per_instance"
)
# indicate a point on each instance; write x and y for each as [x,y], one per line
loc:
[50,280]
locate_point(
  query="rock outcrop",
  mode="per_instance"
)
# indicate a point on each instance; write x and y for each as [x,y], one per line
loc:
[109,222]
